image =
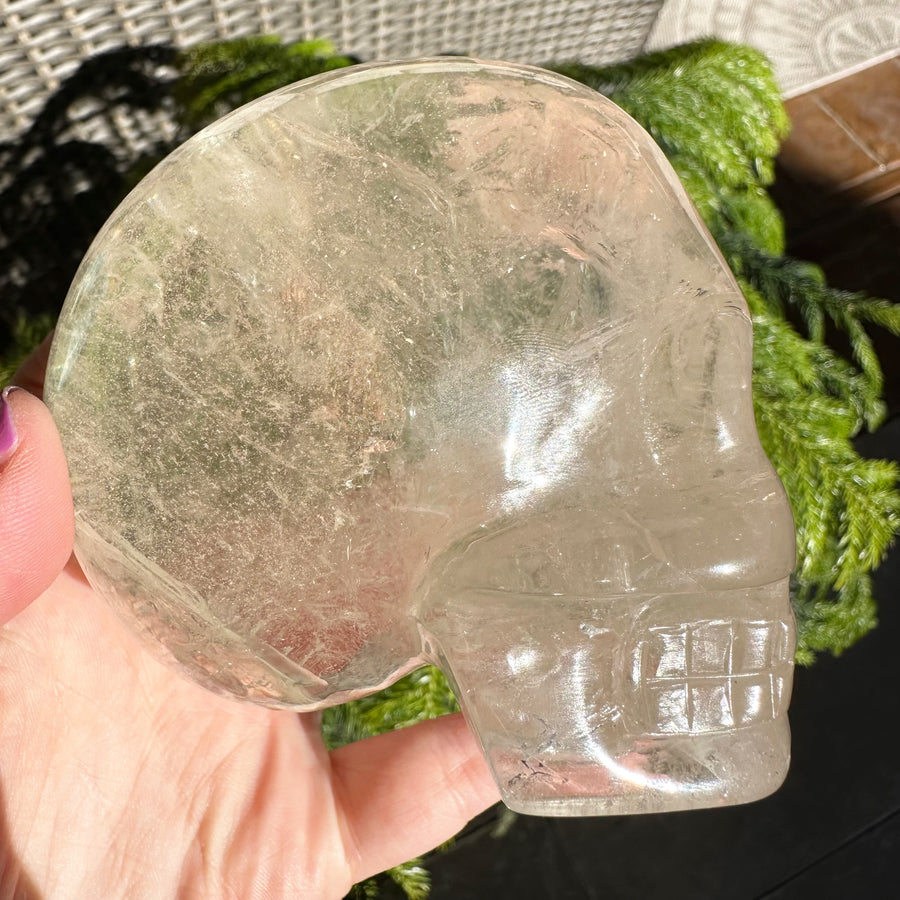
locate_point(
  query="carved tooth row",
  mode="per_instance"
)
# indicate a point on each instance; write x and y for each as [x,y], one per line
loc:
[711,676]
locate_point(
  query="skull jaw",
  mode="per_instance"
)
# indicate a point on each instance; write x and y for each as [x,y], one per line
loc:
[657,775]
[656,704]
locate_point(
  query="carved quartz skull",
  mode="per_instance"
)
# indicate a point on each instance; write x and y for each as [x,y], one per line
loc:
[434,361]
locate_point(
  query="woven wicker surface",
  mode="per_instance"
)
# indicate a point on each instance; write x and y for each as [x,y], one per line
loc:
[42,41]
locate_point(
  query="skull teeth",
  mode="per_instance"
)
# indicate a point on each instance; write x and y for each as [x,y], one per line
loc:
[707,677]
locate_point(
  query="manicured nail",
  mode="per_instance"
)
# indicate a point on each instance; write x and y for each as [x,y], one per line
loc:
[8,436]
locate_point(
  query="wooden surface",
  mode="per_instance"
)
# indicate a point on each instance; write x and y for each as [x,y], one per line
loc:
[839,187]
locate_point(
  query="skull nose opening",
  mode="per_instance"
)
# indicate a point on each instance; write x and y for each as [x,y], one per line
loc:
[586,707]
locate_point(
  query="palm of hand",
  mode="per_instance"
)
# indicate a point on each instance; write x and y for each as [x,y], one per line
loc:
[122,779]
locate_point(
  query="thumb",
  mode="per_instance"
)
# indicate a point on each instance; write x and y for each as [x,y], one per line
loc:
[36,519]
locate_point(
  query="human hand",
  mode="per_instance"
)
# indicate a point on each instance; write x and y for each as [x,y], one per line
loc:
[120,778]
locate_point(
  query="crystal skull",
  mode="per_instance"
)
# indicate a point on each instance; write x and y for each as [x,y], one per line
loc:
[434,361]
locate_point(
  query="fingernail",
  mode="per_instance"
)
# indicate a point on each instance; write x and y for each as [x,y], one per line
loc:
[8,436]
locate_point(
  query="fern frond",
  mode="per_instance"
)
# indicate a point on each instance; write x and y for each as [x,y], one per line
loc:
[785,282]
[809,404]
[219,77]
[423,694]
[826,625]
[412,878]
[717,103]
[364,890]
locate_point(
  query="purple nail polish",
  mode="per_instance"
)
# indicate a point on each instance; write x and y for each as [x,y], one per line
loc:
[8,436]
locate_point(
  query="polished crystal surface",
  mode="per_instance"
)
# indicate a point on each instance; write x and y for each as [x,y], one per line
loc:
[434,361]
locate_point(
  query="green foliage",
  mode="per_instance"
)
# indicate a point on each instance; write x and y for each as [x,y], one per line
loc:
[717,103]
[809,403]
[219,77]
[829,626]
[411,877]
[789,283]
[714,110]
[365,890]
[423,694]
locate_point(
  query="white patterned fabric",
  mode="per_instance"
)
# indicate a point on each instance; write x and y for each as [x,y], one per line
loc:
[809,41]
